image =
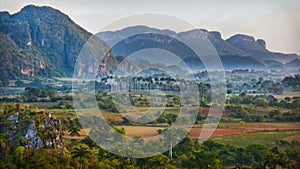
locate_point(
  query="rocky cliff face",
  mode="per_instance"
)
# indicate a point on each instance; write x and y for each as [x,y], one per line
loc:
[30,129]
[53,129]
[258,48]
[40,41]
[32,140]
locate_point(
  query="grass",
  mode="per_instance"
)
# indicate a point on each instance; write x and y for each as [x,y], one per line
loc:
[132,131]
[237,125]
[43,105]
[172,110]
[112,116]
[141,130]
[96,112]
[293,137]
[11,91]
[266,138]
[288,94]
[61,113]
[259,124]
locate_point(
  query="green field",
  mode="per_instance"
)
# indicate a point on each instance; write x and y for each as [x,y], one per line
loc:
[263,137]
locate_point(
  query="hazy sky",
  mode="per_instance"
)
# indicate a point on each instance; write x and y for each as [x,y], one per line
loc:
[276,21]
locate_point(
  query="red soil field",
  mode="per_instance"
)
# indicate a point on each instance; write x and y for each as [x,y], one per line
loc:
[148,132]
[195,132]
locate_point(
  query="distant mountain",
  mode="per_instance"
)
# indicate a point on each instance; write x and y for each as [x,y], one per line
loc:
[258,48]
[223,48]
[231,57]
[239,51]
[293,64]
[39,41]
[42,41]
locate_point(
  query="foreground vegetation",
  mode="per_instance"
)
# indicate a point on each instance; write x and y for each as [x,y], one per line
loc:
[220,152]
[256,130]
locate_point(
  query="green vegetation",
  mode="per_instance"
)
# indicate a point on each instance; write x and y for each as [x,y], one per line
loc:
[269,138]
[292,82]
[39,127]
[258,149]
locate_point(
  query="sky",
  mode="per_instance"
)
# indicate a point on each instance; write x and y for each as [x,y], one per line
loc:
[275,21]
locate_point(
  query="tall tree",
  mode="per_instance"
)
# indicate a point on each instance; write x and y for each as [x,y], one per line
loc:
[81,152]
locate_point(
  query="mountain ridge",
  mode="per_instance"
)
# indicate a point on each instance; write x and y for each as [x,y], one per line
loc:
[43,41]
[215,36]
[226,48]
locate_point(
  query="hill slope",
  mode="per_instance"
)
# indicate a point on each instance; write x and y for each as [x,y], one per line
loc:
[43,41]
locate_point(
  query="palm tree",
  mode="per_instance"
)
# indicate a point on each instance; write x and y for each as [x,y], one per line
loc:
[272,160]
[82,152]
[285,162]
[74,131]
[89,142]
[160,162]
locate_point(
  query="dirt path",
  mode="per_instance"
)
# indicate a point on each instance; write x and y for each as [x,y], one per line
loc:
[73,137]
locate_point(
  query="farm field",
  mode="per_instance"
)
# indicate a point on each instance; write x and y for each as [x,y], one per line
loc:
[262,137]
[144,131]
[287,94]
[233,129]
[290,131]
